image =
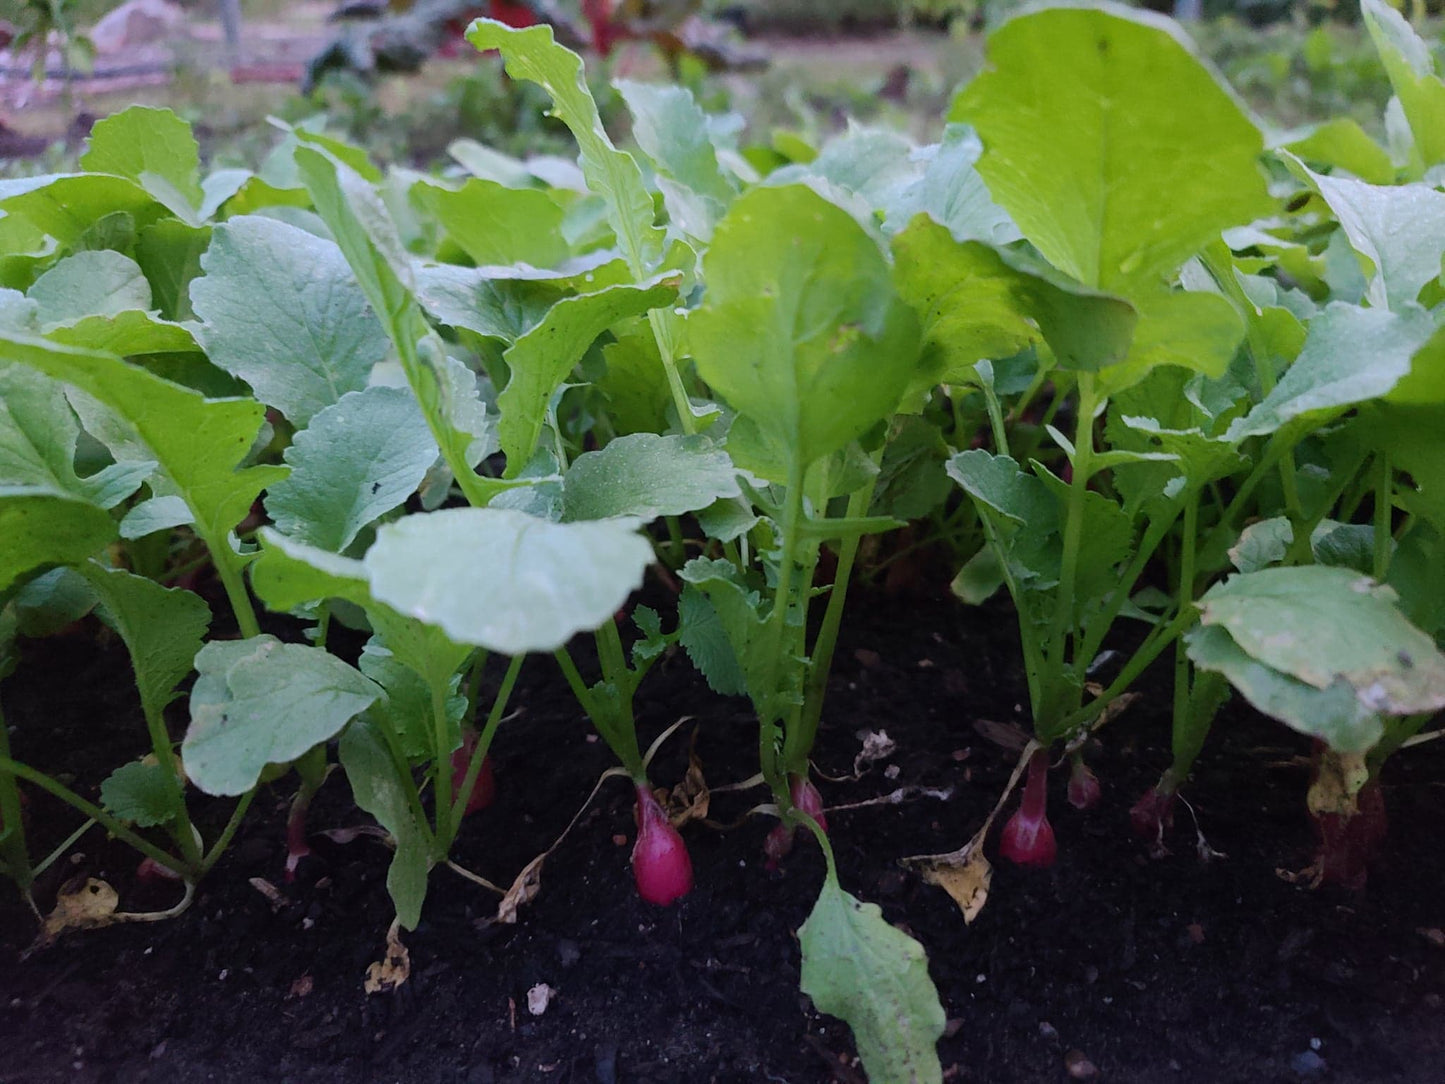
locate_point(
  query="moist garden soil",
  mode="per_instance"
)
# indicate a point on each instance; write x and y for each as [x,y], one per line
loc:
[1133,968]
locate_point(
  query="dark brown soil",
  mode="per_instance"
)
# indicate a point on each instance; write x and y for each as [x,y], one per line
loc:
[1169,970]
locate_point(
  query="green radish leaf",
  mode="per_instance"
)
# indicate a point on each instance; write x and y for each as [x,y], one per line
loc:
[65,205]
[259,702]
[1333,714]
[542,358]
[1261,544]
[1341,143]
[1190,329]
[38,434]
[282,311]
[672,130]
[647,476]
[496,225]
[800,330]
[199,442]
[504,580]
[18,312]
[101,283]
[359,458]
[974,304]
[995,482]
[408,705]
[1351,355]
[702,635]
[380,791]
[163,629]
[1078,157]
[169,253]
[155,149]
[45,605]
[469,298]
[1400,230]
[156,514]
[1411,70]
[46,527]
[127,334]
[951,192]
[140,794]
[1323,625]
[874,976]
[534,55]
[635,382]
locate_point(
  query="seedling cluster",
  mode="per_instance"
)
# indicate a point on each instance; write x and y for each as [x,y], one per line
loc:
[1185,377]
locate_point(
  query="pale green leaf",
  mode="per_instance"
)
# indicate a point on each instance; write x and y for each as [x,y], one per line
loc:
[101,283]
[129,334]
[647,476]
[1341,143]
[1351,355]
[874,976]
[64,206]
[282,311]
[1115,186]
[1333,714]
[259,702]
[503,580]
[359,458]
[1321,625]
[951,192]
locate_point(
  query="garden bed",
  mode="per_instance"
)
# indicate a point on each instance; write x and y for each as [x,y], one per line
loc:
[1150,970]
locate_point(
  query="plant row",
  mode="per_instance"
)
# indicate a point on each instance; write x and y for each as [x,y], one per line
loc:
[1170,381]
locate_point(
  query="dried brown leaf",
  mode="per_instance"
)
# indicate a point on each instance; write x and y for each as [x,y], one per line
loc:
[82,904]
[393,969]
[523,891]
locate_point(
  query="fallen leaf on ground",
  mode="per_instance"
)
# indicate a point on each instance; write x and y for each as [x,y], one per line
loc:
[393,969]
[877,745]
[689,800]
[523,891]
[81,905]
[964,874]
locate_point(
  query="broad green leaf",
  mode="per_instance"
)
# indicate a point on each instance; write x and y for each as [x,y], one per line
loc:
[381,792]
[534,55]
[1079,157]
[359,458]
[875,165]
[800,330]
[672,130]
[155,149]
[18,312]
[1411,70]
[408,704]
[858,967]
[1190,329]
[199,442]
[140,793]
[169,253]
[259,702]
[470,298]
[702,636]
[635,382]
[503,580]
[156,514]
[951,192]
[973,304]
[282,311]
[128,334]
[38,434]
[647,476]
[996,482]
[1351,355]
[1424,385]
[1333,714]
[46,604]
[163,629]
[64,206]
[1400,230]
[1411,436]
[99,283]
[493,224]
[44,527]
[1321,625]
[1341,143]
[1196,459]
[543,357]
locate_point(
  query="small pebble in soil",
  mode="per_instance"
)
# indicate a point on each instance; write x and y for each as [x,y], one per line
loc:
[1079,1067]
[1308,1064]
